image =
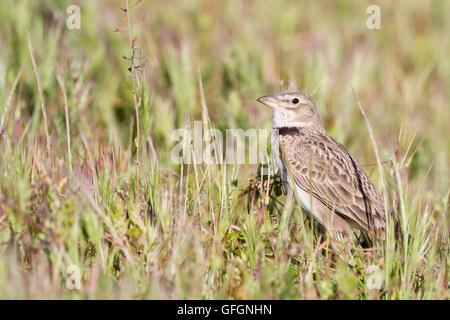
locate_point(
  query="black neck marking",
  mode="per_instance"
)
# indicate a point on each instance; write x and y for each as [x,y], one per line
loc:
[287,130]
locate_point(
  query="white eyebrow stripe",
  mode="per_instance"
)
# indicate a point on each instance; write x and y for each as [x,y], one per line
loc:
[289,98]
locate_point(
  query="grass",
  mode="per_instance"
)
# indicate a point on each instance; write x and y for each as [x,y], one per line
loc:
[86,177]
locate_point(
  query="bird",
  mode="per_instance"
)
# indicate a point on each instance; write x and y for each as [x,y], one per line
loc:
[324,177]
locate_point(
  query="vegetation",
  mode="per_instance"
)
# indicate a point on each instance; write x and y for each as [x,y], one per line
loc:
[86,177]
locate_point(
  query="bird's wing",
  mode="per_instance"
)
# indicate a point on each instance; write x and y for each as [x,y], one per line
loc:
[323,167]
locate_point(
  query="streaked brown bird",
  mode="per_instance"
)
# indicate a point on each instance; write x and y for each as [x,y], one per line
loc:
[325,179]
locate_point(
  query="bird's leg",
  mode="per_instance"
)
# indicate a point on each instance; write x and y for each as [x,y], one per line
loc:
[365,240]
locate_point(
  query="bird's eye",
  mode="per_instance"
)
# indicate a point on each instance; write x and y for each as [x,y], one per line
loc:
[295,101]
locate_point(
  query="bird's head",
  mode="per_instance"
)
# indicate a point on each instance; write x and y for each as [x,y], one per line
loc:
[291,108]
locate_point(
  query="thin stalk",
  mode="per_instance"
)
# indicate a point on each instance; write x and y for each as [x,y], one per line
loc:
[41,93]
[374,144]
[66,110]
[8,101]
[137,101]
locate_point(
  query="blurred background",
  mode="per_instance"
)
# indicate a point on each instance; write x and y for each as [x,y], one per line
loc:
[243,50]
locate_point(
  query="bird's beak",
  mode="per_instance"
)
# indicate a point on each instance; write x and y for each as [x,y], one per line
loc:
[270,101]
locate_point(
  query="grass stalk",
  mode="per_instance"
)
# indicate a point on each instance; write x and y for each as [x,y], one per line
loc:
[66,113]
[41,92]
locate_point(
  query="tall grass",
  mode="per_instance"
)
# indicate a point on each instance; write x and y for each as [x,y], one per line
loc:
[93,186]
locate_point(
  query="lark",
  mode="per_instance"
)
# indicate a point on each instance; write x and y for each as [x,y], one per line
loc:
[325,179]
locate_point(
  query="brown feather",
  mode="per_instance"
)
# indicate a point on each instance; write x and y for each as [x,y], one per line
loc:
[323,167]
